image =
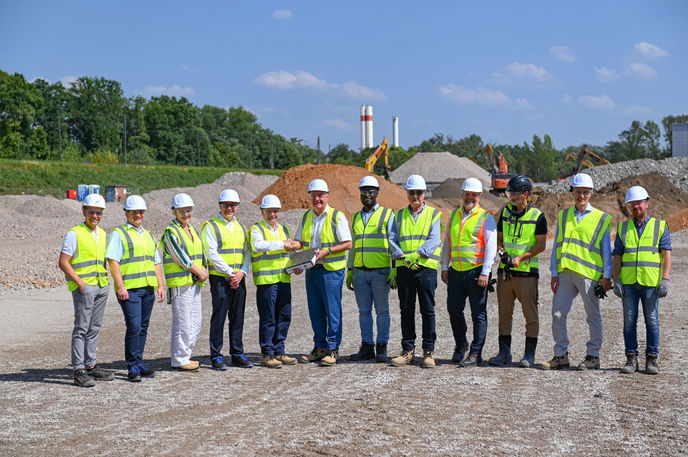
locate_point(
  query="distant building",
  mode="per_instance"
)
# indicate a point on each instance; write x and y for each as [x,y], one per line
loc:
[679,140]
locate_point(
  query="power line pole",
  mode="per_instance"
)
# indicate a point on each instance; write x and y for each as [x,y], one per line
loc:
[124,145]
[59,130]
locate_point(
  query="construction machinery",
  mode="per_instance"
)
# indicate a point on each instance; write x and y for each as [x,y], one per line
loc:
[382,150]
[585,158]
[499,169]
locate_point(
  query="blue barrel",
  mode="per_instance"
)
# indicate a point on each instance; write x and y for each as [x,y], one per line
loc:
[94,189]
[81,192]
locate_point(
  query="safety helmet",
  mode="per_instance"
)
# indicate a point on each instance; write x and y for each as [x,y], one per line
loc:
[229,195]
[368,181]
[95,200]
[318,185]
[636,193]
[415,182]
[270,201]
[519,184]
[582,180]
[134,202]
[472,185]
[182,201]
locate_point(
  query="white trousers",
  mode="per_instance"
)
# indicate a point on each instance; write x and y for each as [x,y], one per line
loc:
[186,325]
[570,285]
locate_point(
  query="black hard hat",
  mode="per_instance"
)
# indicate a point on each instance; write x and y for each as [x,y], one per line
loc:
[519,183]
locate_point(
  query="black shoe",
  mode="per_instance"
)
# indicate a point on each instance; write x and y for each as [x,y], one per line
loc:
[365,352]
[651,366]
[134,375]
[83,379]
[458,355]
[218,363]
[381,353]
[504,356]
[241,361]
[473,360]
[99,374]
[146,372]
[528,359]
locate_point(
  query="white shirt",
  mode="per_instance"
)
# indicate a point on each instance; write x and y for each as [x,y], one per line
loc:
[210,247]
[343,232]
[259,244]
[70,245]
[490,245]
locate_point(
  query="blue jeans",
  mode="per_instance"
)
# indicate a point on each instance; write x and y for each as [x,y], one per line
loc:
[228,305]
[274,311]
[371,288]
[324,293]
[137,313]
[463,285]
[421,283]
[634,293]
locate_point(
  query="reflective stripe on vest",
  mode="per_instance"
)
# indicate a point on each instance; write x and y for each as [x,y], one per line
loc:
[230,244]
[467,239]
[328,237]
[137,265]
[268,267]
[89,261]
[518,237]
[175,275]
[641,262]
[579,244]
[371,245]
[412,234]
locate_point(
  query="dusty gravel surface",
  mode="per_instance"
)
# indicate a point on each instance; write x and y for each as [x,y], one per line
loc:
[347,410]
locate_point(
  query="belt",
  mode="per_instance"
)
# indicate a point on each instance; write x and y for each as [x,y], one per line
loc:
[318,265]
[369,269]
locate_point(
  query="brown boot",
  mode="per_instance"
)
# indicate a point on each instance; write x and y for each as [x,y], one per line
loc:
[428,360]
[405,358]
[557,362]
[269,361]
[315,355]
[329,359]
[285,359]
[590,362]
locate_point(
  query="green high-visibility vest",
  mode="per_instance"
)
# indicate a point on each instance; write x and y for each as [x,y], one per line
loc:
[137,265]
[268,267]
[89,261]
[328,237]
[230,243]
[579,244]
[641,261]
[371,245]
[518,236]
[413,233]
[175,275]
[467,238]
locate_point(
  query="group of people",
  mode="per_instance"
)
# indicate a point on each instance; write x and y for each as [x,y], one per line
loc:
[389,249]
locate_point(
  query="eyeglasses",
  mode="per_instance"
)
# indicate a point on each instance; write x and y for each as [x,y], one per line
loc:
[314,196]
[513,194]
[184,211]
[229,204]
[94,213]
[136,211]
[415,192]
[584,193]
[368,191]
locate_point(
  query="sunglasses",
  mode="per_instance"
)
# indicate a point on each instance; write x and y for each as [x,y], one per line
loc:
[415,192]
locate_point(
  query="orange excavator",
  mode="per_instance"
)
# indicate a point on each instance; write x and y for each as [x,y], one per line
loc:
[382,150]
[585,158]
[499,169]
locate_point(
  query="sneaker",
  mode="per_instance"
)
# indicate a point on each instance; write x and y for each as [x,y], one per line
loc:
[241,361]
[405,358]
[631,364]
[83,379]
[651,366]
[269,361]
[134,374]
[315,356]
[218,363]
[191,366]
[365,352]
[381,353]
[330,359]
[285,359]
[558,362]
[428,360]
[145,371]
[590,362]
[473,360]
[99,374]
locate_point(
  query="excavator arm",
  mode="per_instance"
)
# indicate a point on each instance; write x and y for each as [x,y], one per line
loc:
[382,150]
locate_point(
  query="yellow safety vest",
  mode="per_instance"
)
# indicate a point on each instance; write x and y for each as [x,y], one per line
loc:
[641,261]
[268,267]
[579,244]
[371,245]
[176,276]
[137,265]
[518,236]
[230,243]
[467,239]
[413,233]
[89,261]
[328,237]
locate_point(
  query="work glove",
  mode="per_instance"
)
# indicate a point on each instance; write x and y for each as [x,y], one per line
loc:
[411,260]
[663,288]
[599,291]
[350,279]
[619,288]
[392,278]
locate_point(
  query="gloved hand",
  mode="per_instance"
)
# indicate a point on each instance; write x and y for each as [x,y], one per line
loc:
[392,278]
[411,260]
[600,292]
[504,257]
[350,279]
[663,288]
[619,288]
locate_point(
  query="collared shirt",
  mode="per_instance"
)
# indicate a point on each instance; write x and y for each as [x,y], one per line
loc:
[606,246]
[259,244]
[365,216]
[115,245]
[175,249]
[211,249]
[428,247]
[664,241]
[490,244]
[343,232]
[70,245]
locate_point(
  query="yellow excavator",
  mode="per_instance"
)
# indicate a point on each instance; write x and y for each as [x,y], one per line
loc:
[382,150]
[586,157]
[499,169]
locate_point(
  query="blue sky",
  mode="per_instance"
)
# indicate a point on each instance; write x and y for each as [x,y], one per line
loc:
[579,71]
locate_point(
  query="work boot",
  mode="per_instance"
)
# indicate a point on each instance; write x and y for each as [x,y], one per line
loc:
[473,360]
[241,361]
[99,374]
[330,359]
[458,355]
[590,362]
[269,361]
[631,364]
[191,366]
[365,352]
[428,359]
[651,366]
[285,359]
[558,362]
[528,359]
[405,358]
[504,356]
[82,379]
[315,355]
[381,352]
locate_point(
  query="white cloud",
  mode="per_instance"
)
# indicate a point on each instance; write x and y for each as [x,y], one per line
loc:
[282,14]
[184,67]
[480,96]
[339,124]
[563,53]
[634,110]
[68,81]
[529,71]
[567,98]
[650,50]
[605,75]
[597,102]
[304,80]
[173,91]
[354,90]
[523,103]
[641,70]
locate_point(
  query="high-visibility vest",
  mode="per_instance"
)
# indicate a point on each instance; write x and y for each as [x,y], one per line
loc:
[175,275]
[89,261]
[268,267]
[371,245]
[230,243]
[413,233]
[579,244]
[518,236]
[137,265]
[328,237]
[641,261]
[467,238]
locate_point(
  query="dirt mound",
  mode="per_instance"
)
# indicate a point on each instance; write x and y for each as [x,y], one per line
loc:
[254,184]
[448,195]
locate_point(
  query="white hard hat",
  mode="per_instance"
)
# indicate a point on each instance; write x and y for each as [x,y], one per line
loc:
[270,201]
[472,185]
[368,181]
[582,180]
[229,195]
[182,201]
[415,182]
[95,200]
[134,202]
[318,185]
[636,193]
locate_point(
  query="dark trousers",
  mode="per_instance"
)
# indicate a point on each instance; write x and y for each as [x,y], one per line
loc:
[274,311]
[228,304]
[464,285]
[137,313]
[421,283]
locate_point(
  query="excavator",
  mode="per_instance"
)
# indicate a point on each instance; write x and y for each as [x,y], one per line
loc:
[499,169]
[382,150]
[585,158]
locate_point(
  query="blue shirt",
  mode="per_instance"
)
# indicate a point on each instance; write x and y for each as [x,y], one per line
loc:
[664,241]
[430,244]
[115,246]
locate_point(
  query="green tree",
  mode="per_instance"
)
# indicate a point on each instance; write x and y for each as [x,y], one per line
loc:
[20,137]
[51,116]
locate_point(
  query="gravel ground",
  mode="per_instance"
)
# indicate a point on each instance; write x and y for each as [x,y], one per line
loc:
[347,410]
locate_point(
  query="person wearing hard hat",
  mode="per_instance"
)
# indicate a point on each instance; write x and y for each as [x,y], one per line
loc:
[326,230]
[641,272]
[185,274]
[225,245]
[369,271]
[270,245]
[468,252]
[136,269]
[416,251]
[581,264]
[82,259]
[521,237]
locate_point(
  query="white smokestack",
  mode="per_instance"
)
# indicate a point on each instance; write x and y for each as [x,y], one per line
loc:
[369,126]
[363,127]
[395,131]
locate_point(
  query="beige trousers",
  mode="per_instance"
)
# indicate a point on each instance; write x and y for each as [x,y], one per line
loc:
[525,289]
